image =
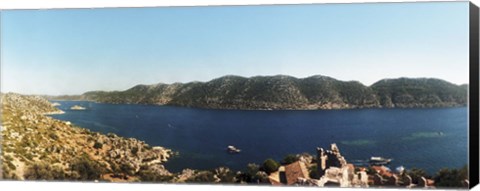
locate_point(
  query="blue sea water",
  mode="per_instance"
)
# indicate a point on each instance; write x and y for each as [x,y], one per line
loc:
[424,138]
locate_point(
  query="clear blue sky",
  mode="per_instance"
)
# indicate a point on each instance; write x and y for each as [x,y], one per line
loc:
[74,51]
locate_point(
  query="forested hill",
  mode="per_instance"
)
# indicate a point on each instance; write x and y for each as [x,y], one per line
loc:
[286,92]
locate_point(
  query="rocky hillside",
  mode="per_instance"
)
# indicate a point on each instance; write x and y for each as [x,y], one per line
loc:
[286,92]
[38,147]
[422,92]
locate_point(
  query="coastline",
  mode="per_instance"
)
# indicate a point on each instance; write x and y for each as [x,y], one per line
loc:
[154,126]
[54,113]
[275,109]
[32,138]
[282,92]
[57,147]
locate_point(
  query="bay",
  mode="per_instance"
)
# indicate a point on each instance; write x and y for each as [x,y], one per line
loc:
[424,138]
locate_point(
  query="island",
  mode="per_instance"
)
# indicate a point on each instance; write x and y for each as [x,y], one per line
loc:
[77,107]
[282,92]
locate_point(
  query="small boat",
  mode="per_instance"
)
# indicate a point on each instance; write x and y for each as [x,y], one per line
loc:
[379,161]
[232,149]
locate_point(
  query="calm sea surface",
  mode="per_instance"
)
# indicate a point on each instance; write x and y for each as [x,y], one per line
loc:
[425,138]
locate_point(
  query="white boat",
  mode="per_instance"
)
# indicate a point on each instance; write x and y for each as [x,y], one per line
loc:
[379,160]
[232,149]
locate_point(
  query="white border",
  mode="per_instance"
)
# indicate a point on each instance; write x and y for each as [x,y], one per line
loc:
[56,4]
[62,4]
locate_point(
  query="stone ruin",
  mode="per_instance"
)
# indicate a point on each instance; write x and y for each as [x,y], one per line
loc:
[334,170]
[329,158]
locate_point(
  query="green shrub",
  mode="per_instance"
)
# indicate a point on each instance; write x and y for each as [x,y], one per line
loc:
[43,171]
[451,177]
[252,175]
[8,158]
[7,149]
[114,166]
[270,166]
[252,169]
[127,169]
[289,159]
[5,171]
[6,174]
[313,173]
[90,139]
[84,168]
[150,176]
[97,145]
[225,175]
[29,156]
[53,136]
[416,174]
[134,150]
[371,171]
[11,165]
[204,176]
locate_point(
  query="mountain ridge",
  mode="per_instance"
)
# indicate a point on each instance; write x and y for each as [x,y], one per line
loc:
[287,92]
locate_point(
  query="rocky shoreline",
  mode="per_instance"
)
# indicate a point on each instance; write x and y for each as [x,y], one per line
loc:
[38,147]
[33,142]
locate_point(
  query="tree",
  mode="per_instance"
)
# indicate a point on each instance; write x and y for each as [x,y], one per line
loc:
[416,174]
[252,169]
[289,159]
[97,145]
[254,175]
[249,174]
[225,175]
[134,150]
[261,177]
[313,173]
[451,177]
[270,166]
